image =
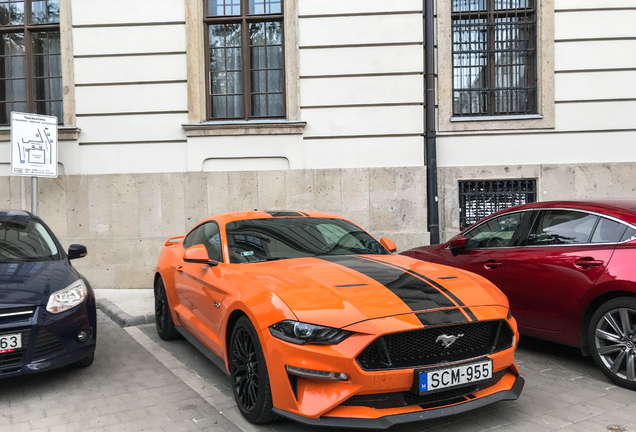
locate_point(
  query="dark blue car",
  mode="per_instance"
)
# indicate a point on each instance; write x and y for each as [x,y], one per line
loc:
[47,309]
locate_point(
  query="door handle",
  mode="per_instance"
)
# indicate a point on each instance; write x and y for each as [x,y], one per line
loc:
[179,268]
[491,265]
[585,263]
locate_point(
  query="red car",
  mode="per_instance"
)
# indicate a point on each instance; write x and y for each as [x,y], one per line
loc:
[568,269]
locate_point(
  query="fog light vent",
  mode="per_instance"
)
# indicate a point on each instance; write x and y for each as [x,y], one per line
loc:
[308,373]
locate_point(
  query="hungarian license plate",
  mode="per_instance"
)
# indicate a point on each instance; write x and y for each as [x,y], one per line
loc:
[455,376]
[10,342]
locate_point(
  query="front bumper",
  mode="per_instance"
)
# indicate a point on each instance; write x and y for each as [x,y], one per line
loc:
[48,341]
[392,420]
[375,399]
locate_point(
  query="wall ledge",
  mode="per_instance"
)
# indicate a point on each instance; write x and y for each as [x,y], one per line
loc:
[245,128]
[64,133]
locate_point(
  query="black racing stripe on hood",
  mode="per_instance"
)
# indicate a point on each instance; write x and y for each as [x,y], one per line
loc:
[413,291]
[470,314]
[439,317]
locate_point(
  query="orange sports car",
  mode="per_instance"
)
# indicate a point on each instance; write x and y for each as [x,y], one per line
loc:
[316,321]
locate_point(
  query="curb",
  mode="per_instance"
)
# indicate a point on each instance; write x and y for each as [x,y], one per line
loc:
[121,317]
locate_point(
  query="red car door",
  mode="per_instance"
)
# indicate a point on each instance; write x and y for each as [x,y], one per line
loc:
[488,246]
[558,262]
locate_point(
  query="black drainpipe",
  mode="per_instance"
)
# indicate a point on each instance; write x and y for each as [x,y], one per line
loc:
[430,135]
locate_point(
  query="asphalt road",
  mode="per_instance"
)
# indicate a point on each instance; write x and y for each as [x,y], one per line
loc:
[139,382]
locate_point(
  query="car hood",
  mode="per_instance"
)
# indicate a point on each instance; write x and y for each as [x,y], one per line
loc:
[31,283]
[342,290]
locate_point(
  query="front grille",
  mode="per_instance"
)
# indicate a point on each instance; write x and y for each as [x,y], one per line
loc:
[15,314]
[46,345]
[418,348]
[444,397]
[12,361]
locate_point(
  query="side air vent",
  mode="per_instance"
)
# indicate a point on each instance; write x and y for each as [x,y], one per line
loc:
[46,345]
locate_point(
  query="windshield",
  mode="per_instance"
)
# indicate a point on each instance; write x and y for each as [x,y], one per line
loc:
[23,239]
[281,238]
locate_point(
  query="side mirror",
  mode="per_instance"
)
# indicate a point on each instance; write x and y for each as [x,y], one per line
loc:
[198,254]
[76,251]
[388,244]
[457,244]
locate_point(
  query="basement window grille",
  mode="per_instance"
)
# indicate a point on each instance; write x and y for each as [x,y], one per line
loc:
[480,198]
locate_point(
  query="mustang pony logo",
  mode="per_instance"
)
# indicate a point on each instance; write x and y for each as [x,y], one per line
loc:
[448,340]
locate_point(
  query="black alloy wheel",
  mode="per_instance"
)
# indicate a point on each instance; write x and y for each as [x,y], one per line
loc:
[612,338]
[163,319]
[248,371]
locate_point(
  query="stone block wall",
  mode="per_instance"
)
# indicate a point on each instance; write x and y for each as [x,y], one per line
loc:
[124,219]
[554,182]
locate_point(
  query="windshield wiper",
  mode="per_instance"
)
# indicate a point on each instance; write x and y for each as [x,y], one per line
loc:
[270,259]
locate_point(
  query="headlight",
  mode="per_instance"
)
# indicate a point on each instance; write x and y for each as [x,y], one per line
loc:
[302,333]
[67,298]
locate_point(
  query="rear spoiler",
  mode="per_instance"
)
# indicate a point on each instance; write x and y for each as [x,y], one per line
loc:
[172,241]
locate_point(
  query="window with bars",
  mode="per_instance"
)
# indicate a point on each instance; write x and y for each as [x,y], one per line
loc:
[245,59]
[480,198]
[30,58]
[494,57]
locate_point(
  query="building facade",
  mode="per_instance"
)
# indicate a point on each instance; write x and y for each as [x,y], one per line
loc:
[173,110]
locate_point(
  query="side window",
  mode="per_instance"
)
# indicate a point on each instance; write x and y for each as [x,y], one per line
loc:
[608,231]
[554,227]
[496,232]
[629,233]
[207,235]
[192,238]
[213,241]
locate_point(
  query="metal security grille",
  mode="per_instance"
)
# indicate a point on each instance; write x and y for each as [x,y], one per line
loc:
[479,198]
[494,57]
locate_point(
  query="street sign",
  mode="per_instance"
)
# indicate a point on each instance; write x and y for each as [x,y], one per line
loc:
[33,145]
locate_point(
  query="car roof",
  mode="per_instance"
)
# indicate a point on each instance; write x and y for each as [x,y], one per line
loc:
[15,214]
[259,214]
[624,209]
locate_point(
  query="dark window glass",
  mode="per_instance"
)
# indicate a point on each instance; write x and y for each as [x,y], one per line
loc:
[245,59]
[30,59]
[608,231]
[496,232]
[629,233]
[494,57]
[554,227]
[257,240]
[207,235]
[24,239]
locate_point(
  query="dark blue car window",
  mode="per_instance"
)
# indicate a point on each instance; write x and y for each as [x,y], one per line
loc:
[25,239]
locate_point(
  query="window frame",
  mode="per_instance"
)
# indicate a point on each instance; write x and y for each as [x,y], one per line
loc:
[518,232]
[537,211]
[490,16]
[545,117]
[200,230]
[245,19]
[28,29]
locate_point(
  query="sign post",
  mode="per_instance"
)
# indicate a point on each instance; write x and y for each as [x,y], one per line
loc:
[33,149]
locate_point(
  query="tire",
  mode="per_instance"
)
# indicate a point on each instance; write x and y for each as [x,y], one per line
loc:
[86,361]
[248,372]
[612,339]
[163,318]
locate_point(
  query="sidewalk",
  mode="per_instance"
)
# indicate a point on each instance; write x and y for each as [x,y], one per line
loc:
[127,307]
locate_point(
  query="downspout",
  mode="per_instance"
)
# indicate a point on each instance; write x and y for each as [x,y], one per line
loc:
[430,135]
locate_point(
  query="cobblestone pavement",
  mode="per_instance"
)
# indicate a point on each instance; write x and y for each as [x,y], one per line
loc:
[139,383]
[126,389]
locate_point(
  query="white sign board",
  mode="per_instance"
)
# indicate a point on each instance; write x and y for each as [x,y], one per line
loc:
[33,145]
